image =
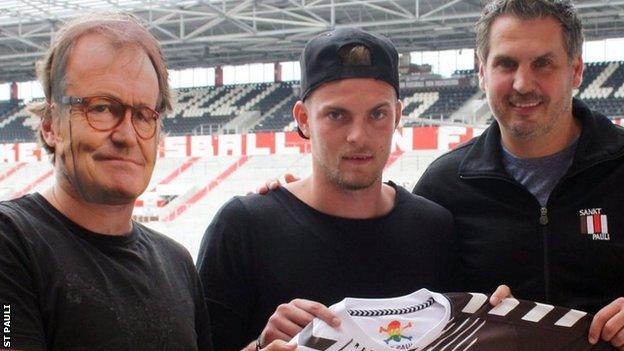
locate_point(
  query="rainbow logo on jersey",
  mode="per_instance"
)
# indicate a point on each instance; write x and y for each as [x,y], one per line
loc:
[394,331]
[594,223]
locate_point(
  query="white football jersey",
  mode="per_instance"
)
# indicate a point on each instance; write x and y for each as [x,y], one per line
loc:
[425,320]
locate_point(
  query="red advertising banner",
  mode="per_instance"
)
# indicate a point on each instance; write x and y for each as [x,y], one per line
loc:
[270,143]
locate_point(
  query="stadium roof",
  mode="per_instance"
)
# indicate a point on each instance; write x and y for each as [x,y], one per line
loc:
[196,33]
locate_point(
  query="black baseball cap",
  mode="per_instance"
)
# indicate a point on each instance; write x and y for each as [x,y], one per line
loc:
[321,60]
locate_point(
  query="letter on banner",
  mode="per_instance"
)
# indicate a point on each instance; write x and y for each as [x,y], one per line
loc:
[402,139]
[230,145]
[449,137]
[175,146]
[30,152]
[252,146]
[201,146]
[9,152]
[281,147]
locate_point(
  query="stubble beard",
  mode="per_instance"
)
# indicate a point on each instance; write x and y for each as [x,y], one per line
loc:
[540,128]
[340,181]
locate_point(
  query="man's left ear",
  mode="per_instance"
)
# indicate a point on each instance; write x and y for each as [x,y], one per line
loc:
[398,113]
[482,84]
[578,66]
[49,131]
[300,113]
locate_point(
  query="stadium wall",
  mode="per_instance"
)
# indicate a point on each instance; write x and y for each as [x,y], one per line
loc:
[270,143]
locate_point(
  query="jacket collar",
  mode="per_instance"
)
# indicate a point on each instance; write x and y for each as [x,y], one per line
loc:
[600,140]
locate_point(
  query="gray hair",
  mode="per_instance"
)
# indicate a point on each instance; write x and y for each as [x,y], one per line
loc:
[561,10]
[121,30]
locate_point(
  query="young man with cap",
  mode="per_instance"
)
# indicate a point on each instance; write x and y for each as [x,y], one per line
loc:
[270,264]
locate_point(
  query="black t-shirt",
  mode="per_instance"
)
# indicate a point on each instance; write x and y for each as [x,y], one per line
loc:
[262,251]
[72,289]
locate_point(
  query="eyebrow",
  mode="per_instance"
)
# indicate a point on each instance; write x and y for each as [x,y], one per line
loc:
[113,96]
[548,55]
[334,108]
[344,110]
[380,105]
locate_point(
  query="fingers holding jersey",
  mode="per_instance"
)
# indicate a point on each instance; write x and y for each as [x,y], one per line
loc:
[501,292]
[608,324]
[289,319]
[280,345]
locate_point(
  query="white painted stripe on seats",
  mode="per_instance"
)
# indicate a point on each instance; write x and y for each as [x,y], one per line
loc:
[570,318]
[538,312]
[506,306]
[475,303]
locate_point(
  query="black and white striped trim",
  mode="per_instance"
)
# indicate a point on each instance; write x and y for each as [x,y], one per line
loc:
[391,311]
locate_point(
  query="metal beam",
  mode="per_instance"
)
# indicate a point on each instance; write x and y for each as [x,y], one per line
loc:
[449,4]
[217,20]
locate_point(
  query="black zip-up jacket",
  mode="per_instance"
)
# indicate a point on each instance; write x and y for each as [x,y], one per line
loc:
[569,253]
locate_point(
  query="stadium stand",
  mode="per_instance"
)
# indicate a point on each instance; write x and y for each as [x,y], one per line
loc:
[201,111]
[8,107]
[15,123]
[464,73]
[206,110]
[603,88]
[278,119]
[437,104]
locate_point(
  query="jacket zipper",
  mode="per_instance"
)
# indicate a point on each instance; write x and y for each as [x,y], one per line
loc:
[543,220]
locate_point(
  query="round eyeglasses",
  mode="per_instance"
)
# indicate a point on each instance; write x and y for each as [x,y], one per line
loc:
[105,113]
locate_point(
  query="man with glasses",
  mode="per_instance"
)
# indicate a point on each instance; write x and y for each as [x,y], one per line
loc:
[76,273]
[104,113]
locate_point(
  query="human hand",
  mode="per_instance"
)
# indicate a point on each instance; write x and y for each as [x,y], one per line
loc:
[275,183]
[501,292]
[608,325]
[280,345]
[290,318]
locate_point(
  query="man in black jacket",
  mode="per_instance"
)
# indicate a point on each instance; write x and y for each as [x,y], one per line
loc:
[536,198]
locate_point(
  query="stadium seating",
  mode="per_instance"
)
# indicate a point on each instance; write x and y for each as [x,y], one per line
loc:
[276,109]
[7,107]
[463,73]
[438,104]
[603,88]
[205,110]
[16,124]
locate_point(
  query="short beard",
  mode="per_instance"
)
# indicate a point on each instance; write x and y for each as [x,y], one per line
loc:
[542,129]
[344,184]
